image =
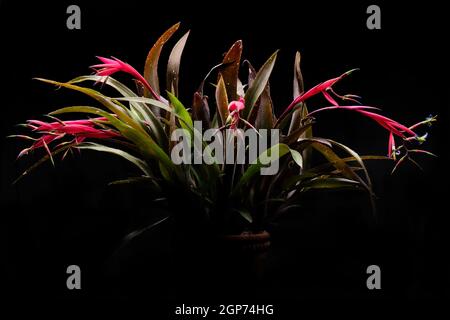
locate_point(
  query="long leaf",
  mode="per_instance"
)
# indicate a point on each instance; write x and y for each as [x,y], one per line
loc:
[222,101]
[136,233]
[358,159]
[338,163]
[258,85]
[260,162]
[200,110]
[265,115]
[151,63]
[298,89]
[330,183]
[144,142]
[173,66]
[43,160]
[181,111]
[326,166]
[142,165]
[121,113]
[231,70]
[142,110]
[297,134]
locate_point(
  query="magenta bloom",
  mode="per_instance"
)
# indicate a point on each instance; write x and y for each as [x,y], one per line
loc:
[391,125]
[320,88]
[394,127]
[111,66]
[37,125]
[79,130]
[236,105]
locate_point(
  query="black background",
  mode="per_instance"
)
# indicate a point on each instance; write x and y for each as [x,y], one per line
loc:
[68,215]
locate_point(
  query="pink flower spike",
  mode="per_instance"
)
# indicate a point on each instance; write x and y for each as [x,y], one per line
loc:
[111,66]
[321,87]
[106,60]
[391,146]
[330,98]
[342,107]
[37,125]
[74,129]
[100,134]
[394,125]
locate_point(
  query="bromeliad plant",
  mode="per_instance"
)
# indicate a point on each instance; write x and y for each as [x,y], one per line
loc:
[136,124]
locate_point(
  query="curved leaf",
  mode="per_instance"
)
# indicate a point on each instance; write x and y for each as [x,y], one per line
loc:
[258,85]
[146,145]
[222,101]
[200,110]
[143,112]
[181,111]
[261,161]
[330,183]
[151,63]
[142,165]
[265,115]
[230,72]
[121,113]
[173,65]
[48,156]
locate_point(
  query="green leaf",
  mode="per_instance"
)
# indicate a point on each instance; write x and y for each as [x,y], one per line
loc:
[200,110]
[121,113]
[299,86]
[43,160]
[297,157]
[129,237]
[262,161]
[265,115]
[150,101]
[181,111]
[245,214]
[330,183]
[297,134]
[251,73]
[142,165]
[141,109]
[354,154]
[400,161]
[131,180]
[230,72]
[301,111]
[173,66]
[151,63]
[258,85]
[146,145]
[338,163]
[222,101]
[323,167]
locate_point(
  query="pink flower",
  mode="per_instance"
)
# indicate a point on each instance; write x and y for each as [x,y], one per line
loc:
[43,141]
[387,123]
[320,88]
[236,105]
[78,129]
[111,66]
[391,125]
[38,125]
[394,127]
[391,146]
